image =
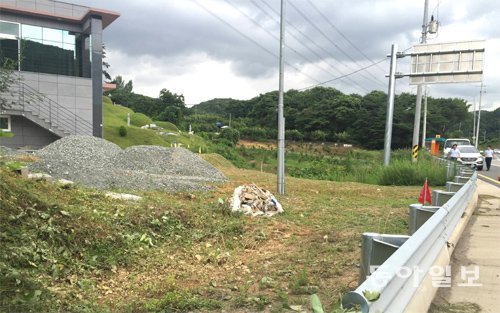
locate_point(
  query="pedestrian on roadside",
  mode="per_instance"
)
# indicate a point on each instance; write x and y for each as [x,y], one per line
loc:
[454,153]
[488,153]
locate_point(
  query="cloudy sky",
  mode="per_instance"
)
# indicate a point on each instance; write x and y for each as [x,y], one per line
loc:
[207,49]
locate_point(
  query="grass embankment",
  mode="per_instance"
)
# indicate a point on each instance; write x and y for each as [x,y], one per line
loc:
[72,250]
[115,116]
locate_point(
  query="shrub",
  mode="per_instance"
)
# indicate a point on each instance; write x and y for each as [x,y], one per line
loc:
[293,134]
[122,131]
[139,119]
[318,135]
[407,173]
[230,134]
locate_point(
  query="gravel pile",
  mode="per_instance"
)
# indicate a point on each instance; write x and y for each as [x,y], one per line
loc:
[166,161]
[97,163]
[6,151]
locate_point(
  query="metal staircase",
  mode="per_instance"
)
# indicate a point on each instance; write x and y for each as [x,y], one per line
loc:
[28,102]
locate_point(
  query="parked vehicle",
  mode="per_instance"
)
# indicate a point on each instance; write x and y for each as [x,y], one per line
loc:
[470,156]
[448,143]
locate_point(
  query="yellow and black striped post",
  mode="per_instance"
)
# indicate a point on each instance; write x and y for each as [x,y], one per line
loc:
[414,152]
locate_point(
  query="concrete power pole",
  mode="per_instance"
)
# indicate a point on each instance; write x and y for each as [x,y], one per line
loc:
[281,118]
[390,106]
[424,122]
[418,104]
[479,114]
[474,123]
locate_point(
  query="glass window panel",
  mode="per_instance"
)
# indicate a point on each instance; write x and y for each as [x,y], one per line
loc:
[57,52]
[33,32]
[68,37]
[52,35]
[4,123]
[9,28]
[57,44]
[9,51]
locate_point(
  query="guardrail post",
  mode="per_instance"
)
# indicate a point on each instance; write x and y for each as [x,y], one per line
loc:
[461,179]
[466,173]
[440,197]
[453,187]
[375,249]
[419,214]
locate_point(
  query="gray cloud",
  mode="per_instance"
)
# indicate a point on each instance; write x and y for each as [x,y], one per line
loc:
[172,33]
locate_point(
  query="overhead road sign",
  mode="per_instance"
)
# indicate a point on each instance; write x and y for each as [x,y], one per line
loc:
[454,62]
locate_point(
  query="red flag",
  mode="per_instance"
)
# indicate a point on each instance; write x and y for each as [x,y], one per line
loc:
[425,194]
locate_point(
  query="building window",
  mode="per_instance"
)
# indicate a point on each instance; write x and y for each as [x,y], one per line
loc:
[46,50]
[9,44]
[5,123]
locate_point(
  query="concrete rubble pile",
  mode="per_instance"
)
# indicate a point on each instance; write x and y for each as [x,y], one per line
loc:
[255,201]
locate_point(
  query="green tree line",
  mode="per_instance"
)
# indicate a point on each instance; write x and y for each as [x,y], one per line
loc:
[317,114]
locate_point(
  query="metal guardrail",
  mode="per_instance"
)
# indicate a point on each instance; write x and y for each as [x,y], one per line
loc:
[398,278]
[26,99]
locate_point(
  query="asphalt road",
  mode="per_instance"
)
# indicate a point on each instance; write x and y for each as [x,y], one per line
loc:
[493,175]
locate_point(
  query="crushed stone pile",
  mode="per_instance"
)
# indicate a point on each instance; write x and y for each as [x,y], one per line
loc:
[255,201]
[166,161]
[6,151]
[98,163]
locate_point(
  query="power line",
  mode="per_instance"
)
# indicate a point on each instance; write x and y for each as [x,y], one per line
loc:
[274,36]
[311,41]
[326,37]
[341,34]
[250,39]
[343,76]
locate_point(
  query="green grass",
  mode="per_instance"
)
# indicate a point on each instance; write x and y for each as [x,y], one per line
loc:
[77,251]
[115,116]
[343,166]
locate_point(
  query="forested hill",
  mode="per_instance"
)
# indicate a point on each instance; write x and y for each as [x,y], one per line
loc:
[317,114]
[324,113]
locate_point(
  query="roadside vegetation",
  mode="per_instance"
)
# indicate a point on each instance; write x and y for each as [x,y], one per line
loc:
[74,250]
[321,161]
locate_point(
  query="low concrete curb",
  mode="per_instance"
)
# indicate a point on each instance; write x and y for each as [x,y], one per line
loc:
[477,248]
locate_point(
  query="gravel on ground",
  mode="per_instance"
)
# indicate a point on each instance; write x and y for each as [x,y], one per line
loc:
[98,163]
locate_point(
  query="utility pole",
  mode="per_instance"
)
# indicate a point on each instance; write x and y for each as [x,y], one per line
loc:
[479,113]
[281,118]
[390,106]
[229,120]
[474,127]
[418,104]
[424,126]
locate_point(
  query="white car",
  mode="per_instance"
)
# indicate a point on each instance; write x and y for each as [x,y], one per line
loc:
[448,143]
[470,156]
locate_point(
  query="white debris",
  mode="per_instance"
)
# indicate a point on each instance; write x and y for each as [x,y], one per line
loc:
[40,176]
[122,196]
[255,201]
[150,126]
[65,183]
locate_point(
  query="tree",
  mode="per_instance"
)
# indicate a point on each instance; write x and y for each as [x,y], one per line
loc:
[105,64]
[230,134]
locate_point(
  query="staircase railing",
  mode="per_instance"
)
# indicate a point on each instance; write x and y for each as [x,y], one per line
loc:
[27,99]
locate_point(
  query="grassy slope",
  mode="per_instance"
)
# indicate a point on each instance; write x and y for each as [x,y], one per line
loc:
[115,116]
[76,251]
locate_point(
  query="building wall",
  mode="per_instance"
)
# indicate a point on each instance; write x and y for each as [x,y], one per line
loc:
[81,96]
[27,135]
[72,93]
[59,8]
